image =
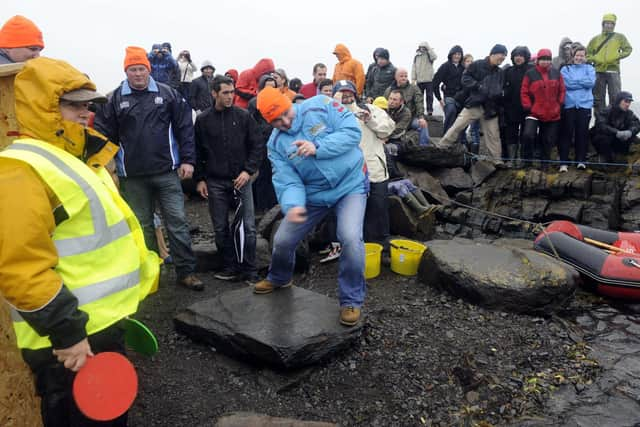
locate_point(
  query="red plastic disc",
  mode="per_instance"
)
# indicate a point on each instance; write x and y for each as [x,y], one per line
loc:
[106,386]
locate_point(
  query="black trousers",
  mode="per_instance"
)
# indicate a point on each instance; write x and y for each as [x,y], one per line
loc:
[548,137]
[376,215]
[575,128]
[428,87]
[54,382]
[608,145]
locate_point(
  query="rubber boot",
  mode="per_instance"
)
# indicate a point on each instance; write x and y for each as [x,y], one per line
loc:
[420,197]
[411,201]
[512,154]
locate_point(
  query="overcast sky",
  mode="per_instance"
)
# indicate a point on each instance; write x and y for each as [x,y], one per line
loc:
[92,34]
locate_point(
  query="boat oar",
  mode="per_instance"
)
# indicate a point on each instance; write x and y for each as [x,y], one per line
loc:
[605,246]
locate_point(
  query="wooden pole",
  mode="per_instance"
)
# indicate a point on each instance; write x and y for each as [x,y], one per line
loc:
[606,246]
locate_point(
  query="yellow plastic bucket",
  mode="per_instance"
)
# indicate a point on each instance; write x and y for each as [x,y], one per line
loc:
[405,256]
[372,256]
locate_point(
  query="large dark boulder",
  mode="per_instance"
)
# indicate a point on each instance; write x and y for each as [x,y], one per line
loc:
[289,328]
[498,277]
[454,180]
[430,156]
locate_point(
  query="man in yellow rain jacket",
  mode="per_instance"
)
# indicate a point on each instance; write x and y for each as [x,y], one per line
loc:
[605,52]
[73,262]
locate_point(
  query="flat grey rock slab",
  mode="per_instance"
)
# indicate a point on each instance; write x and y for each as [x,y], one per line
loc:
[287,329]
[503,278]
[248,419]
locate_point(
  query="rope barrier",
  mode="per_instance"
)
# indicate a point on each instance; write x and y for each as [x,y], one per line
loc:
[473,156]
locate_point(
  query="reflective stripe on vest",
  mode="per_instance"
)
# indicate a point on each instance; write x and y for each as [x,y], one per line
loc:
[101,264]
[94,292]
[103,234]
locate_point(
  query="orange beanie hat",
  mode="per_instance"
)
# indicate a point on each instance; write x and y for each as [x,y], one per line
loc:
[136,56]
[20,32]
[272,103]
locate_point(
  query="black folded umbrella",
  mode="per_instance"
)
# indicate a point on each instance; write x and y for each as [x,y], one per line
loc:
[237,228]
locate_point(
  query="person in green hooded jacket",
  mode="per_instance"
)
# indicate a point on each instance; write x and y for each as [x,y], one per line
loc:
[605,52]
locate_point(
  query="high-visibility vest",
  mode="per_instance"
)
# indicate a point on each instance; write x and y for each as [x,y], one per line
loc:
[103,259]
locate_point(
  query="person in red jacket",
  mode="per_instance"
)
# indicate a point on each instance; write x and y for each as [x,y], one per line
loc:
[542,95]
[247,82]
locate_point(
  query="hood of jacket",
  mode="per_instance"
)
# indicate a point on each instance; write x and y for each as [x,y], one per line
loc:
[380,52]
[619,97]
[38,88]
[423,44]
[263,66]
[522,51]
[233,73]
[453,50]
[206,63]
[342,52]
[561,53]
[156,46]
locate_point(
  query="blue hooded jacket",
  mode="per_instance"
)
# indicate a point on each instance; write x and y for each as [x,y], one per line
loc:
[337,169]
[579,80]
[164,69]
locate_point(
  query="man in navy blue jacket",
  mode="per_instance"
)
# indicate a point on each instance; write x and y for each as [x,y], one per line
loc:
[153,125]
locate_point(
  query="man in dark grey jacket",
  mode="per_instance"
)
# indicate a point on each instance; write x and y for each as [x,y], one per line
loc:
[380,75]
[483,84]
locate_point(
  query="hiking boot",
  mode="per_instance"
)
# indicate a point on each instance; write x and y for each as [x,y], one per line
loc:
[266,287]
[191,282]
[563,169]
[582,166]
[227,275]
[349,316]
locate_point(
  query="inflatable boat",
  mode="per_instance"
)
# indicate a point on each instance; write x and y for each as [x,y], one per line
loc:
[609,261]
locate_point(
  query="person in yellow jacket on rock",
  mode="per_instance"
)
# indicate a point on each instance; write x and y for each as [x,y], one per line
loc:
[605,51]
[73,262]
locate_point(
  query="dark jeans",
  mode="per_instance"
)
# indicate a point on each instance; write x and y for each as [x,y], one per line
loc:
[428,87]
[142,193]
[549,136]
[576,128]
[54,382]
[605,82]
[185,90]
[264,194]
[608,145]
[376,216]
[450,113]
[221,202]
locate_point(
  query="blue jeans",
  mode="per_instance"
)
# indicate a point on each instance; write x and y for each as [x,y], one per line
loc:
[142,193]
[450,112]
[221,201]
[424,132]
[350,213]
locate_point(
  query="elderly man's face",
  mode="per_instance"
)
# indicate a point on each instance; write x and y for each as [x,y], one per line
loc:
[138,76]
[402,77]
[284,121]
[22,54]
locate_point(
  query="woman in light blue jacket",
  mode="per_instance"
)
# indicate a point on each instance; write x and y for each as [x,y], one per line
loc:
[579,79]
